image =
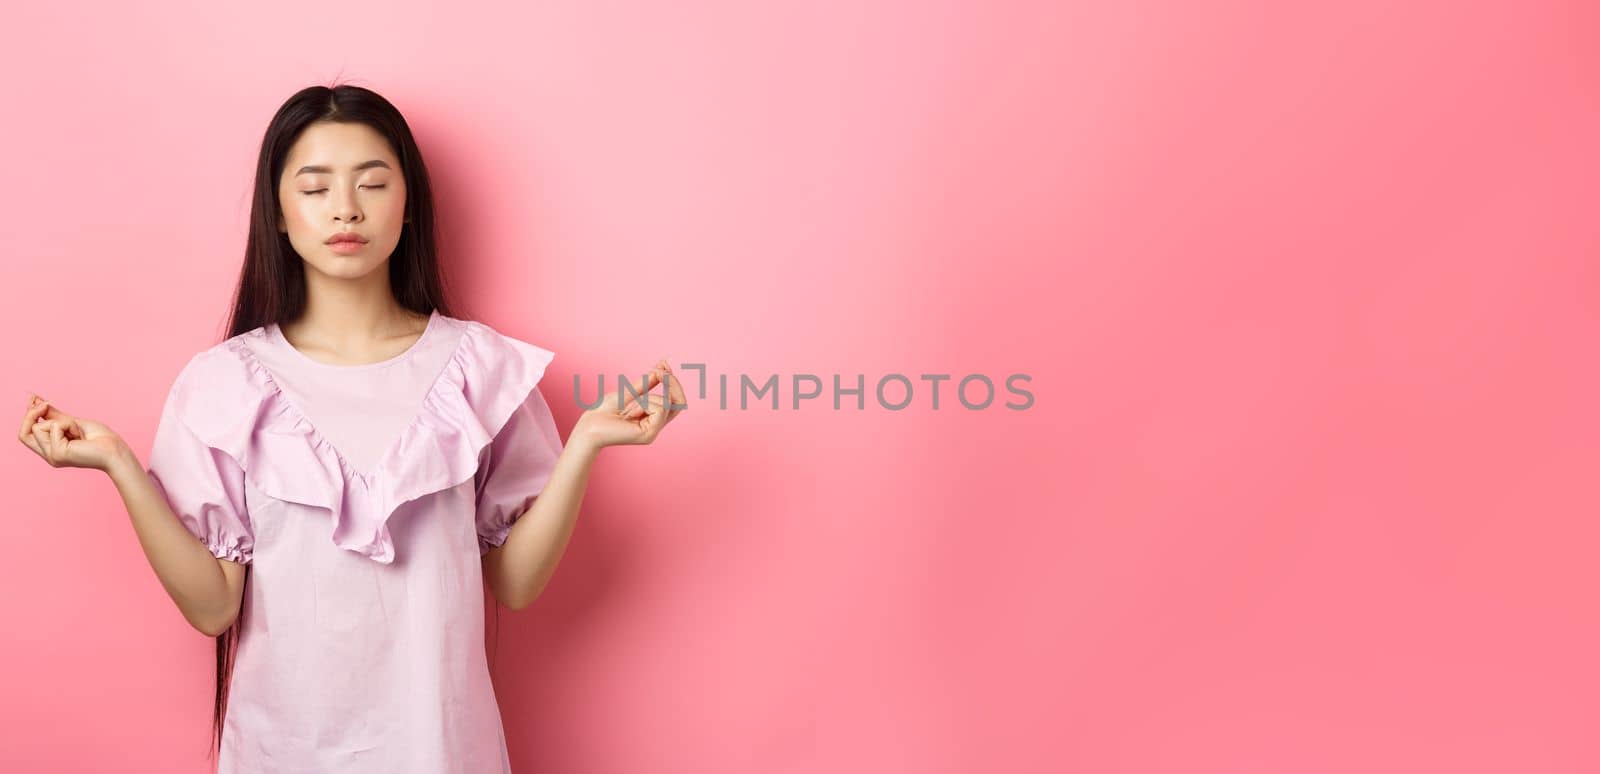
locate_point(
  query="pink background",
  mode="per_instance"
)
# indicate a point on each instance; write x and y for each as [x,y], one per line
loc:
[1308,296]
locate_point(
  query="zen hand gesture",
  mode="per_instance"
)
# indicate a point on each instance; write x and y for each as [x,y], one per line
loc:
[66,441]
[640,420]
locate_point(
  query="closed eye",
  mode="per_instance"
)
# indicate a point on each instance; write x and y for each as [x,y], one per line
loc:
[320,190]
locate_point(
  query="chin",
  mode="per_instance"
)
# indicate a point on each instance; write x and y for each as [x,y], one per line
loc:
[319,258]
[344,267]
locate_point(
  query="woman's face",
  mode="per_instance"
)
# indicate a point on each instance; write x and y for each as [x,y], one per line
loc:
[342,178]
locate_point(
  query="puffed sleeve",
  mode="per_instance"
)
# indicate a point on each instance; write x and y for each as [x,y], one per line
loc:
[516,466]
[204,486]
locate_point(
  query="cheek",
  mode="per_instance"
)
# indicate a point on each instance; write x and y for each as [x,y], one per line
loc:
[297,208]
[395,206]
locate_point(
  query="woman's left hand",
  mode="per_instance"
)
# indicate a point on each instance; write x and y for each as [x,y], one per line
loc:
[640,420]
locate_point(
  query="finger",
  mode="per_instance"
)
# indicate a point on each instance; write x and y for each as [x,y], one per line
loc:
[58,438]
[31,441]
[631,390]
[42,438]
[650,380]
[676,395]
[656,420]
[52,411]
[673,402]
[635,410]
[28,417]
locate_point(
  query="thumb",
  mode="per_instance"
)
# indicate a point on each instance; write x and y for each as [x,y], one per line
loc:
[623,397]
[54,412]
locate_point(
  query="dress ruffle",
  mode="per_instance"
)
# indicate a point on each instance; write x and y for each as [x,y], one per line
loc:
[232,403]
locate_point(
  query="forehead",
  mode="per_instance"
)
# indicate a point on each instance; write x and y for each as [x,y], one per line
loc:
[338,145]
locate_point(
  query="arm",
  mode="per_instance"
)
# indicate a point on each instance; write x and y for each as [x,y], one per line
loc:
[519,568]
[206,589]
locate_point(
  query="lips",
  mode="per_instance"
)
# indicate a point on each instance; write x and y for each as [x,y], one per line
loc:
[346,237]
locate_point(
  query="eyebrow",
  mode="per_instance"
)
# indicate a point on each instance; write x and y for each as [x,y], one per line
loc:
[312,170]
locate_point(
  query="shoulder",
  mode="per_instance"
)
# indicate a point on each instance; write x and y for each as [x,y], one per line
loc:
[220,378]
[488,354]
[491,375]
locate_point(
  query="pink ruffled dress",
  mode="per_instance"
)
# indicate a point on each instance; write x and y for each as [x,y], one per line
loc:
[362,497]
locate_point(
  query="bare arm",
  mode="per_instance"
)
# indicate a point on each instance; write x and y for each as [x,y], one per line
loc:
[519,568]
[206,589]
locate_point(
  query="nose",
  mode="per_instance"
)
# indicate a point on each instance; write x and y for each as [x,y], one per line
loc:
[347,211]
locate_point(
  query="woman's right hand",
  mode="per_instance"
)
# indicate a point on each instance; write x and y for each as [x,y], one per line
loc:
[66,441]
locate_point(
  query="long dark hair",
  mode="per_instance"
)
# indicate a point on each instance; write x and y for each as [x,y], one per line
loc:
[272,283]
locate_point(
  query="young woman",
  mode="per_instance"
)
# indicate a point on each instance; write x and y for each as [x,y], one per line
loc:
[330,486]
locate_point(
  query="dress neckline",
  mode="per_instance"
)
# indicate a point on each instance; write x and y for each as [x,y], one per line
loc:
[288,407]
[487,376]
[276,334]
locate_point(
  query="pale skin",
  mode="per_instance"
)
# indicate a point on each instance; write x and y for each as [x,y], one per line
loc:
[351,318]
